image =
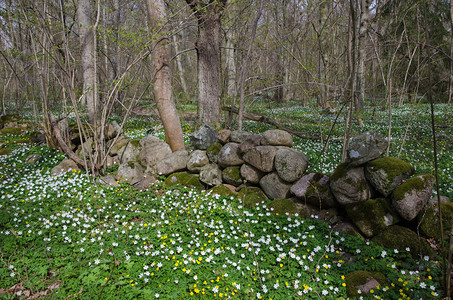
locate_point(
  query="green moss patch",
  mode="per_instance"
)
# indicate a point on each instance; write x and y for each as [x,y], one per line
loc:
[183,179]
[221,190]
[232,175]
[11,131]
[429,221]
[339,172]
[371,216]
[214,148]
[398,237]
[417,183]
[392,167]
[283,207]
[251,196]
[355,280]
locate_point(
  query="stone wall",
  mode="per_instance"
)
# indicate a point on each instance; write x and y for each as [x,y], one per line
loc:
[368,194]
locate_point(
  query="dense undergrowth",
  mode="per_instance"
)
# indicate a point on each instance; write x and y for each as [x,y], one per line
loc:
[66,237]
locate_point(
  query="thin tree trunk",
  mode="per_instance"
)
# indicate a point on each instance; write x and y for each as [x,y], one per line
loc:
[180,67]
[244,65]
[162,79]
[450,89]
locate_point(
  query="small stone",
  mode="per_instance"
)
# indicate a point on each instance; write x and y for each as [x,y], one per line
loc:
[276,137]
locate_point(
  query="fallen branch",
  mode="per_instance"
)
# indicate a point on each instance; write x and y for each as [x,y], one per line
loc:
[67,150]
[264,119]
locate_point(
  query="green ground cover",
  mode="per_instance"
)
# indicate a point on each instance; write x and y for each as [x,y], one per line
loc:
[66,237]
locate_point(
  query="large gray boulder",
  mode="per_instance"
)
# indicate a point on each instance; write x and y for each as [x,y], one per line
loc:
[314,189]
[238,136]
[211,174]
[130,172]
[153,151]
[365,147]
[129,152]
[66,165]
[204,137]
[411,197]
[112,130]
[290,164]
[372,216]
[252,141]
[229,155]
[176,161]
[276,137]
[386,173]
[274,187]
[223,136]
[251,174]
[261,157]
[197,160]
[349,185]
[120,142]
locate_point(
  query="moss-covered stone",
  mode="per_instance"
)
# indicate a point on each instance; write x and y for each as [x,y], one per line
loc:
[135,143]
[5,151]
[213,152]
[232,175]
[386,173]
[251,196]
[221,190]
[11,131]
[417,183]
[184,179]
[363,280]
[372,216]
[283,207]
[398,237]
[8,118]
[339,172]
[429,221]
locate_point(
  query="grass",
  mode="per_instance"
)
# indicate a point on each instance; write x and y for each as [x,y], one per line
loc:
[66,237]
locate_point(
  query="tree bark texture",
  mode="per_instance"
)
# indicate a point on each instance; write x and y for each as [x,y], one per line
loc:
[208,54]
[162,79]
[87,57]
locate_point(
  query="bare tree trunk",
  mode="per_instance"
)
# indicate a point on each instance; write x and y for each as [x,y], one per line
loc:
[162,78]
[208,55]
[450,89]
[244,65]
[363,29]
[231,73]
[87,56]
[180,67]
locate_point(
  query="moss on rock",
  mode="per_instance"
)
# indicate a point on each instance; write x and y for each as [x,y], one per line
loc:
[11,131]
[371,216]
[340,171]
[417,183]
[221,190]
[391,166]
[356,280]
[184,179]
[252,196]
[398,237]
[429,221]
[232,175]
[5,151]
[283,207]
[214,148]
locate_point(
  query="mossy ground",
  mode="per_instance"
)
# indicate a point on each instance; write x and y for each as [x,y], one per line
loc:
[283,207]
[183,179]
[402,238]
[358,278]
[252,196]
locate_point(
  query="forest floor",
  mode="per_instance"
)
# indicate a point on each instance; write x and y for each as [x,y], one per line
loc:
[67,237]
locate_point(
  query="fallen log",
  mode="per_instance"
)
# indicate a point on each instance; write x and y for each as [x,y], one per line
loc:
[265,119]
